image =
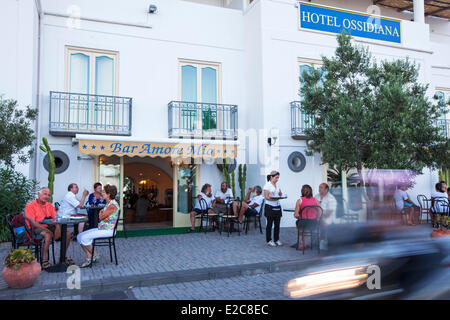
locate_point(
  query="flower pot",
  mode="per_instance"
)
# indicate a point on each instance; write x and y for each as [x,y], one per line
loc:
[437,233]
[24,277]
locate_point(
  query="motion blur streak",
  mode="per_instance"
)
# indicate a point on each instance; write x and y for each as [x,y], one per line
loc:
[326,281]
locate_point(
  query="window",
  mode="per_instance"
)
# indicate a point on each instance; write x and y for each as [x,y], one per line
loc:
[199,84]
[90,71]
[444,96]
[306,65]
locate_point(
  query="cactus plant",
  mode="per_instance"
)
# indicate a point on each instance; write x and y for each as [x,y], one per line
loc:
[225,172]
[242,172]
[51,166]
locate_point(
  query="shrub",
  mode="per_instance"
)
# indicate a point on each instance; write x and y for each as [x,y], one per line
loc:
[15,192]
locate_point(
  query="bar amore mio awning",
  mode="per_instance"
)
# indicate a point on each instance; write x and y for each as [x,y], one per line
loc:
[174,148]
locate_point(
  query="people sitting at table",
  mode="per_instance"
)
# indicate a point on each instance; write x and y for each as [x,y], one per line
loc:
[206,195]
[40,209]
[249,207]
[439,199]
[307,218]
[108,218]
[95,199]
[70,203]
[223,197]
[404,202]
[328,204]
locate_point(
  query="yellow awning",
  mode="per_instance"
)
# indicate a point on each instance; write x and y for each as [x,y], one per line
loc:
[174,149]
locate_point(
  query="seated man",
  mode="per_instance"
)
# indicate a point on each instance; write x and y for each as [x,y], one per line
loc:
[38,210]
[438,199]
[70,203]
[403,201]
[210,203]
[222,198]
[328,204]
[250,207]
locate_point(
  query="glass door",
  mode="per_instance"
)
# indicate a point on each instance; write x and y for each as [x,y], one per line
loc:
[199,96]
[186,187]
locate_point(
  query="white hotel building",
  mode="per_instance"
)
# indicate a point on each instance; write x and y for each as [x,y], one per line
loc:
[161,72]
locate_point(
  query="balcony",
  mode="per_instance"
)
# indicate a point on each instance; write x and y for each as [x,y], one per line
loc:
[300,121]
[444,127]
[197,120]
[72,113]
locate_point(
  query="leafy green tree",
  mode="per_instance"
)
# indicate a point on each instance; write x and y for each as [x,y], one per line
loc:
[16,132]
[372,115]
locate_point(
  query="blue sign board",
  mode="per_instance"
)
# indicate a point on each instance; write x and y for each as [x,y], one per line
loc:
[326,19]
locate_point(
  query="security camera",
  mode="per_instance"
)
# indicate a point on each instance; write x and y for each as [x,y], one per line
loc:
[152,8]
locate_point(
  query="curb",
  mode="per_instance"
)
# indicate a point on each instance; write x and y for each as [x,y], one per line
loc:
[154,279]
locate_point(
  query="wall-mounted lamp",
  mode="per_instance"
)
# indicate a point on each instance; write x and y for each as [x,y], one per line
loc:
[271,140]
[152,8]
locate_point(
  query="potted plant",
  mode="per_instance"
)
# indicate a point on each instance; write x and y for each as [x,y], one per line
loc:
[21,269]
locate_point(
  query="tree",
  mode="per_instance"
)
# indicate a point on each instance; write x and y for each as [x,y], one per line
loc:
[372,115]
[16,132]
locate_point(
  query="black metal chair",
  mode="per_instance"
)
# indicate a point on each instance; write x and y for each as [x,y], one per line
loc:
[205,215]
[32,240]
[309,227]
[231,220]
[441,211]
[257,219]
[425,206]
[36,240]
[107,241]
[15,243]
[125,208]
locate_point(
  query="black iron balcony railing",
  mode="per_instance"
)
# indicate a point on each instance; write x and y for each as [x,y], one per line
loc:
[300,121]
[202,120]
[444,127]
[72,113]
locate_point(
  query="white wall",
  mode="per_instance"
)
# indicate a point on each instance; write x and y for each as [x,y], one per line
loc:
[18,57]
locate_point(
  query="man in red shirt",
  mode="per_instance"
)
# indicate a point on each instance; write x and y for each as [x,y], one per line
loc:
[36,211]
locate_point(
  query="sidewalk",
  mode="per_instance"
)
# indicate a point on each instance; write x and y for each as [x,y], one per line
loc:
[154,260]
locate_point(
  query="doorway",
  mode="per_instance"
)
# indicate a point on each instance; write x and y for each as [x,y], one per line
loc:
[148,193]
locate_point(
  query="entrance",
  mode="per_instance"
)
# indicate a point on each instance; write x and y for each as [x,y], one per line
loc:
[148,192]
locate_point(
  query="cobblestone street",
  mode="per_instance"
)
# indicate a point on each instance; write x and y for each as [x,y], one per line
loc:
[158,255]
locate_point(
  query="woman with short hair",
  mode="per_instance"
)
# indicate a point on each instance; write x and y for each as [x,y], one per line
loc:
[108,219]
[308,216]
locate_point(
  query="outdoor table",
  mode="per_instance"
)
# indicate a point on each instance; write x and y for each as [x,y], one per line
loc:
[63,222]
[228,202]
[96,210]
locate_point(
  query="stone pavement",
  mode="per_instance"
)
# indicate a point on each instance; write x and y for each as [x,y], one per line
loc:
[268,286]
[145,261]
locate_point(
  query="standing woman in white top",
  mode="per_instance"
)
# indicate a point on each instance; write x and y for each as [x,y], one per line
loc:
[272,209]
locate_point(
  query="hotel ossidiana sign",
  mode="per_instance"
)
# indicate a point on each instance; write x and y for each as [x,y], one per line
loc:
[332,20]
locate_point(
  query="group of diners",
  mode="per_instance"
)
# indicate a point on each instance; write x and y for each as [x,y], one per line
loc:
[222,203]
[40,209]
